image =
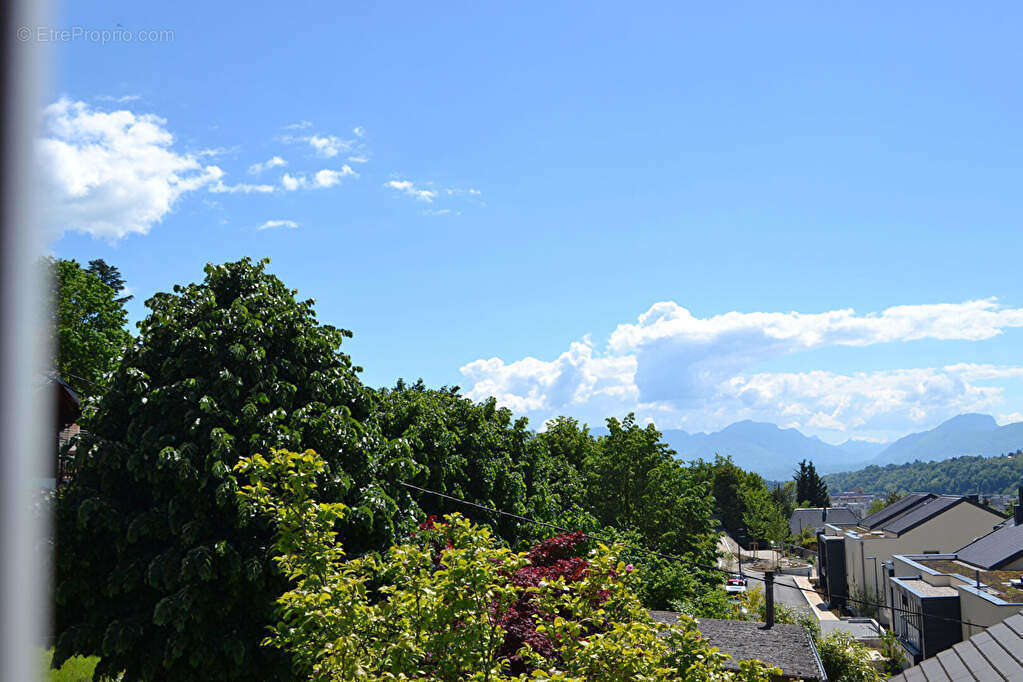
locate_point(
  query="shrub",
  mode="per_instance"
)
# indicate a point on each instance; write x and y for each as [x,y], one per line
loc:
[455,605]
[845,660]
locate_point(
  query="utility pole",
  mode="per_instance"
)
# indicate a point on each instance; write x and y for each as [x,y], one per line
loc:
[769,599]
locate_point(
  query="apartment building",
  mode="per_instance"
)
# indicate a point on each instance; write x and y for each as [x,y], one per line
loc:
[980,585]
[851,559]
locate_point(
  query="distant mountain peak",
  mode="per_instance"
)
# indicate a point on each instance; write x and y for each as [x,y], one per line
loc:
[969,422]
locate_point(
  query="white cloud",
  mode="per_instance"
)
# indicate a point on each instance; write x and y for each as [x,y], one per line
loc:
[270,224]
[699,373]
[680,355]
[359,131]
[328,146]
[358,159]
[407,187]
[301,125]
[123,99]
[219,187]
[320,179]
[441,211]
[111,174]
[272,162]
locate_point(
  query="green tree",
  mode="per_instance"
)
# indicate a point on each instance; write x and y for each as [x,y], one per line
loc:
[109,275]
[442,606]
[879,503]
[154,570]
[763,516]
[88,324]
[474,452]
[634,481]
[810,487]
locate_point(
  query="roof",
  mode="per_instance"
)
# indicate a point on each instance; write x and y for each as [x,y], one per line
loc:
[921,512]
[923,588]
[785,646]
[995,654]
[994,550]
[891,511]
[859,628]
[816,517]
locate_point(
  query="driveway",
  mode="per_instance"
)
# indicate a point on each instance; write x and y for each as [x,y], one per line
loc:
[785,590]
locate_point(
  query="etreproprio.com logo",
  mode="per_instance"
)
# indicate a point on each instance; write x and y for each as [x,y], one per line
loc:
[102,36]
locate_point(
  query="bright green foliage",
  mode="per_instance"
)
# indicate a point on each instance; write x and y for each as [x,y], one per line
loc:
[810,487]
[473,452]
[89,323]
[329,625]
[154,571]
[436,612]
[748,511]
[879,503]
[633,481]
[846,660]
[763,516]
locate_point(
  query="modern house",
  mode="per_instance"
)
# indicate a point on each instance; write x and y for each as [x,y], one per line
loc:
[787,647]
[851,558]
[817,517]
[980,584]
[995,654]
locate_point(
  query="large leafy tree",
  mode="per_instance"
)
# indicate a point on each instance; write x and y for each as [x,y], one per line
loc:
[811,490]
[634,481]
[470,451]
[88,323]
[155,571]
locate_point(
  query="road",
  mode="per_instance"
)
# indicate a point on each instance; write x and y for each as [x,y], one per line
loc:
[785,590]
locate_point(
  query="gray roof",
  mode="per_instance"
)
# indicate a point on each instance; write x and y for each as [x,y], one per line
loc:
[816,517]
[995,654]
[891,511]
[786,646]
[921,512]
[994,550]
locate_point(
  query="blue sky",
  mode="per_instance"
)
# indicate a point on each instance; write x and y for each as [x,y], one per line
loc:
[476,185]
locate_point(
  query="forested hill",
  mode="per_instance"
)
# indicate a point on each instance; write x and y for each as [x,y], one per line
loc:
[959,475]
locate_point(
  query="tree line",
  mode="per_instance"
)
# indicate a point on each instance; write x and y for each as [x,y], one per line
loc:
[160,574]
[956,476]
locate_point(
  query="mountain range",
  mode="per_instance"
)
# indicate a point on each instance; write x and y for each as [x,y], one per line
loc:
[775,453]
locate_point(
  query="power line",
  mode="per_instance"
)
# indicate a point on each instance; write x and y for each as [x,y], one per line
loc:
[675,558]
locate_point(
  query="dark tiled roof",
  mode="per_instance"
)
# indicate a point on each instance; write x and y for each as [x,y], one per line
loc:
[921,512]
[994,550]
[786,646]
[816,517]
[995,654]
[891,511]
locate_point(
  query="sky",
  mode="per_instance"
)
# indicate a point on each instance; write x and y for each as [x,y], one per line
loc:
[790,213]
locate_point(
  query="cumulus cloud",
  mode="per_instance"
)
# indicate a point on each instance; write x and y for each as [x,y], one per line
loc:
[701,373]
[407,187]
[270,224]
[680,356]
[272,162]
[111,174]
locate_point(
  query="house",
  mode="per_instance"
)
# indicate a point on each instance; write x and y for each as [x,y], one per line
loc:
[68,411]
[783,646]
[851,558]
[994,654]
[979,584]
[817,517]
